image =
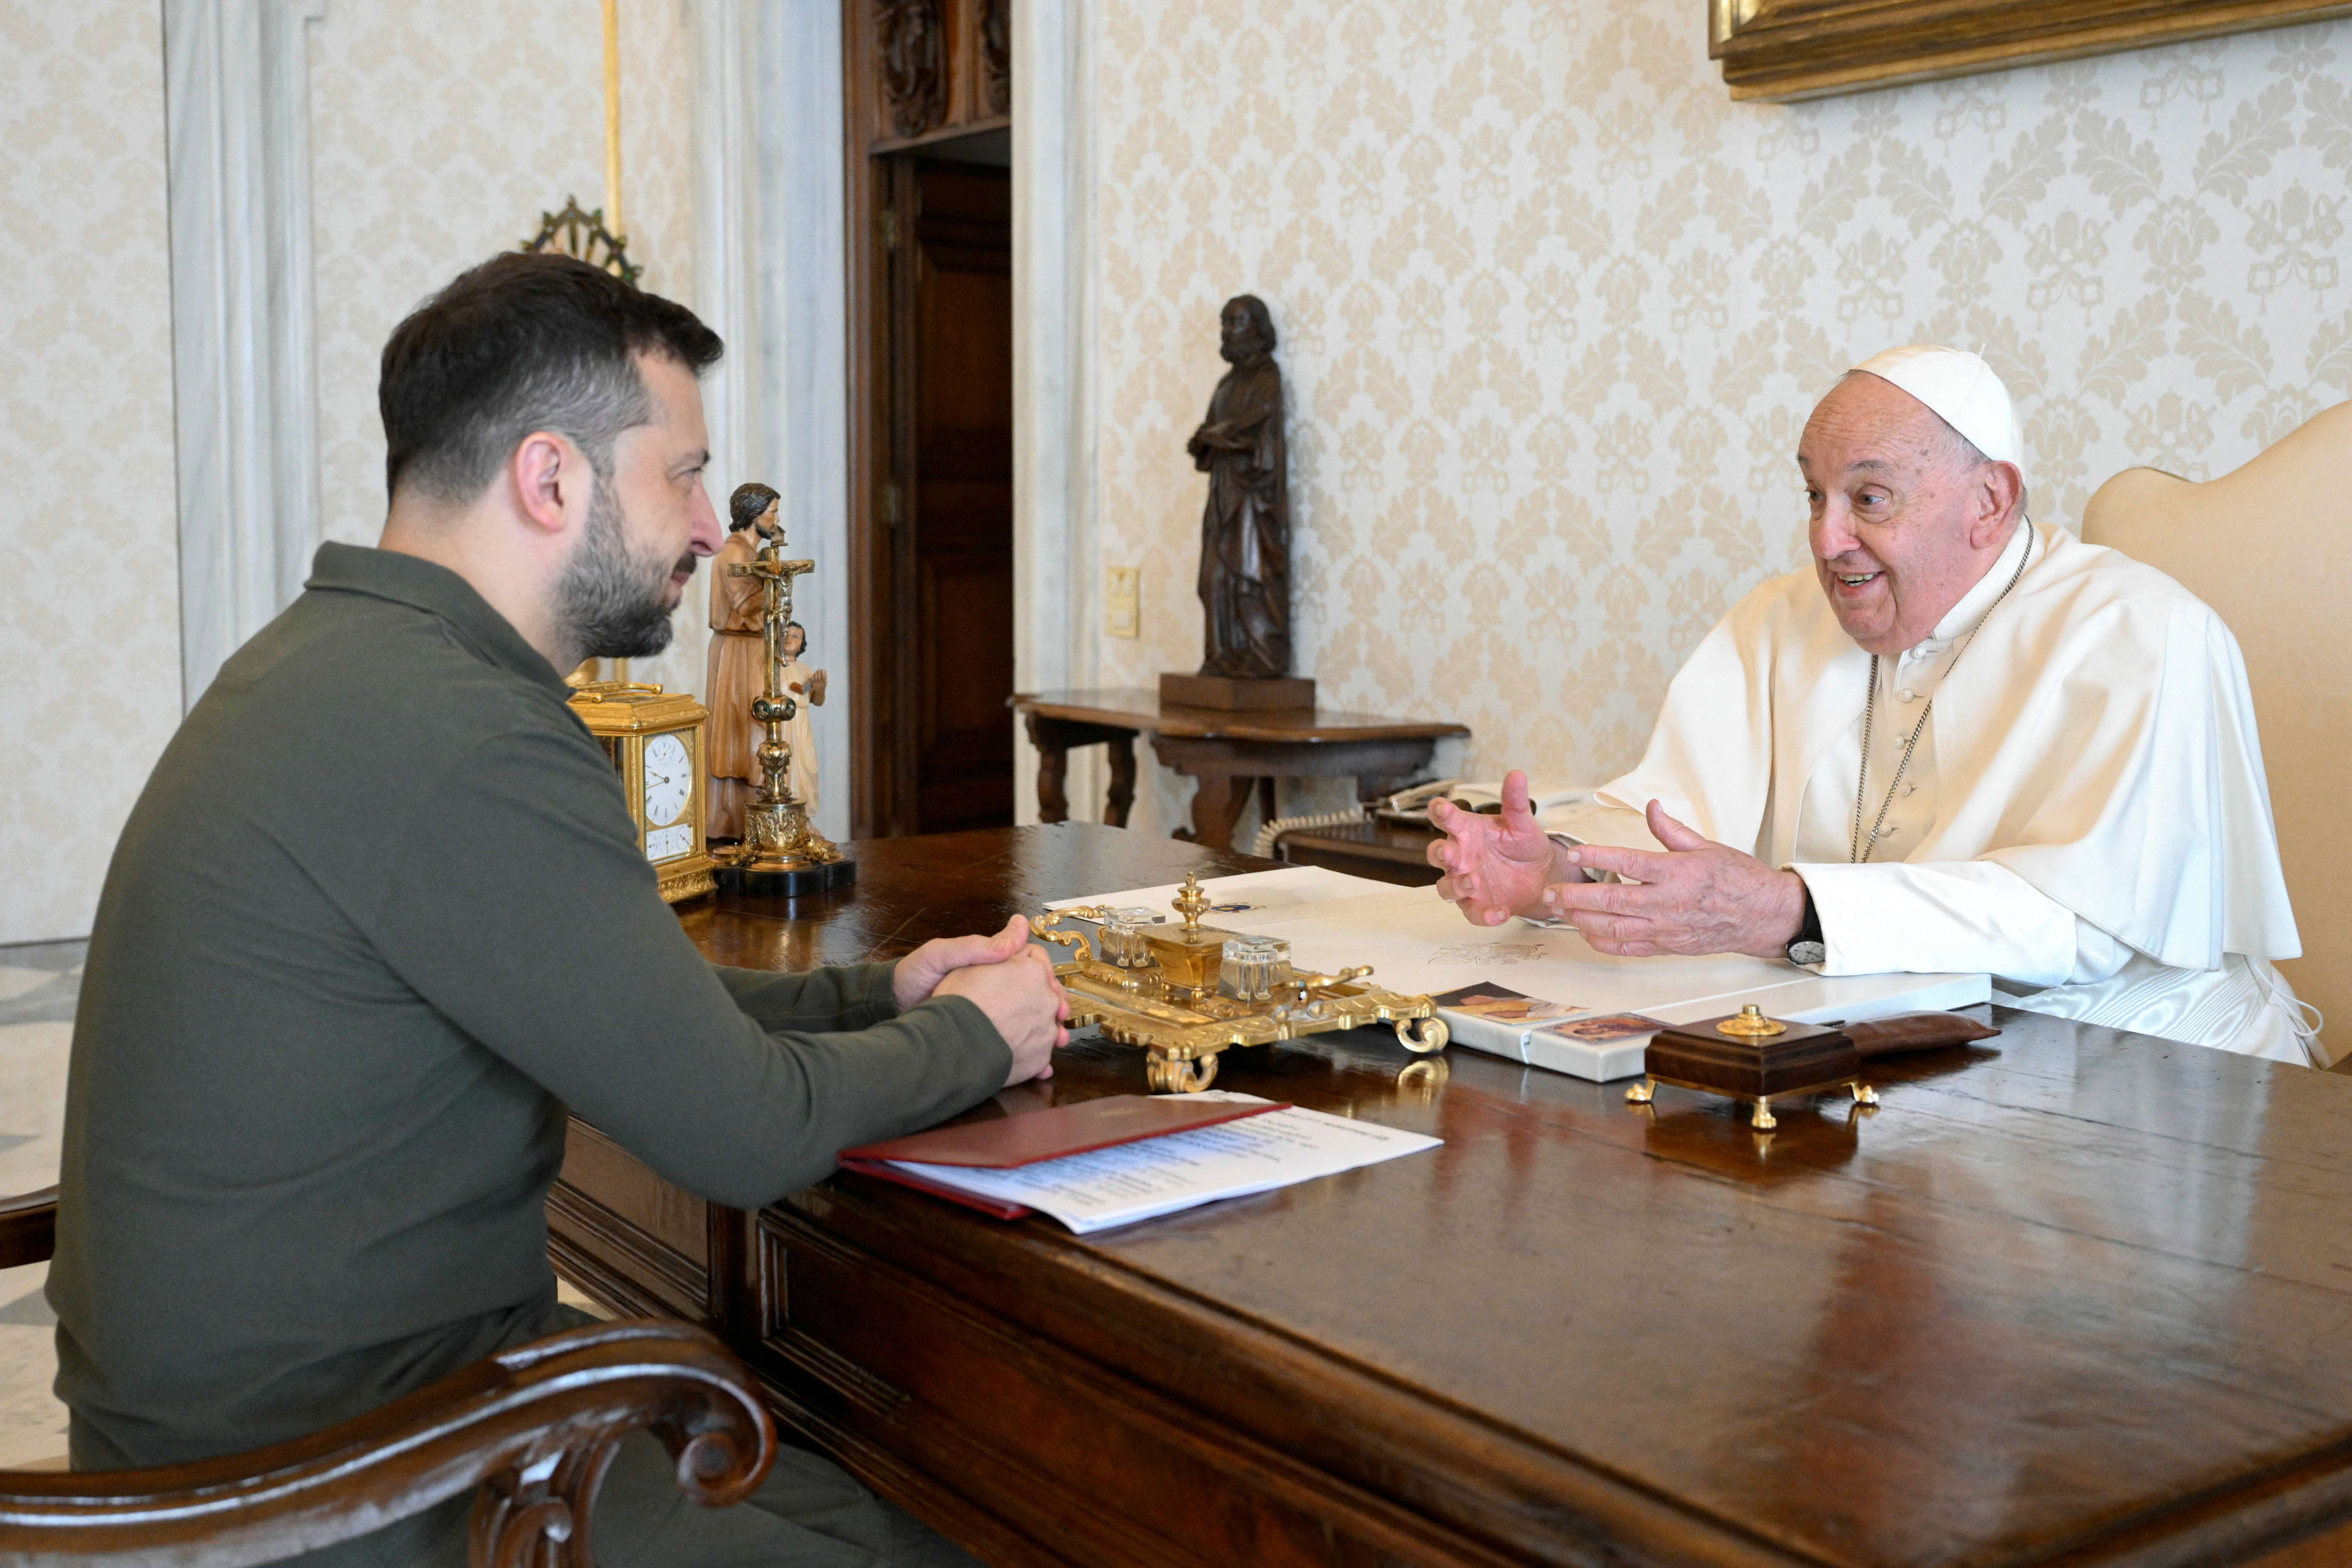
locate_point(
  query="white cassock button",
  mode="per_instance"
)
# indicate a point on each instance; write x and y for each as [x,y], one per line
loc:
[1906,695]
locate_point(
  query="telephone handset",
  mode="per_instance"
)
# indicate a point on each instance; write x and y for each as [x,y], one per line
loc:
[1413,805]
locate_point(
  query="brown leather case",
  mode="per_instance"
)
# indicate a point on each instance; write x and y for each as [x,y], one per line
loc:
[1802,1055]
[1037,1135]
[1914,1032]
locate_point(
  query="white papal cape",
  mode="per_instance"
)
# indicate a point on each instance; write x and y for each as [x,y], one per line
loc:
[2088,818]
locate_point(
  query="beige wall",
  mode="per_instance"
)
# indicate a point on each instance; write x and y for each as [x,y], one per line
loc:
[1553,311]
[440,130]
[89,532]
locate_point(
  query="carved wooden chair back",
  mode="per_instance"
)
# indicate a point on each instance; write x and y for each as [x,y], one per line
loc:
[529,1431]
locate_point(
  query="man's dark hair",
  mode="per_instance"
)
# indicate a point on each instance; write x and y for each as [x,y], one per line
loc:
[524,341]
[748,505]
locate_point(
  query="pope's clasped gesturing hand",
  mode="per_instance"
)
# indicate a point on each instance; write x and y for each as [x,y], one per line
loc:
[1694,897]
[1496,866]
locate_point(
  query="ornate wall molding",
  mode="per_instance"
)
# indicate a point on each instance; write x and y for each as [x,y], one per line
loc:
[237,108]
[772,279]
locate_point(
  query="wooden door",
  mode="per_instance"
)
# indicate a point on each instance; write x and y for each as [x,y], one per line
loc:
[929,105]
[953,356]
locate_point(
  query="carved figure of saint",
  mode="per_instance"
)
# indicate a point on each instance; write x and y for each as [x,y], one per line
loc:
[1245,529]
[806,686]
[736,672]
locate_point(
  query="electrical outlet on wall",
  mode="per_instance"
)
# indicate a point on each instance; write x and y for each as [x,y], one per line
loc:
[1123,601]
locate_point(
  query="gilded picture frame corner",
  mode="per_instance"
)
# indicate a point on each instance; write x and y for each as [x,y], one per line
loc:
[1786,52]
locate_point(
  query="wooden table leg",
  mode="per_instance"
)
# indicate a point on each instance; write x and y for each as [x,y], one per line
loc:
[1052,768]
[1216,806]
[1054,740]
[1122,780]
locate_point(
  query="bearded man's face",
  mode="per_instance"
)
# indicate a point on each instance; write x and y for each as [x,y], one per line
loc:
[617,600]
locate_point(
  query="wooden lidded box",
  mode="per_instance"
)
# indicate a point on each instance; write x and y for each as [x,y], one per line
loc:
[1750,1056]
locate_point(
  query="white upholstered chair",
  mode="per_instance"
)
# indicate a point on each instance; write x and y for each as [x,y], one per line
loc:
[2269,546]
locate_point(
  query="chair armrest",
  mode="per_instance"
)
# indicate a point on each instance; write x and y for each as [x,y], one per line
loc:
[28,1229]
[533,1428]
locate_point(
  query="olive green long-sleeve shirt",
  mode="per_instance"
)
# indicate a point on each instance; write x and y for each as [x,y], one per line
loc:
[377,919]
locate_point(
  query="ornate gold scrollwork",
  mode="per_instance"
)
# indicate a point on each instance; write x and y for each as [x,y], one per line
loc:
[1180,1074]
[1423,1037]
[1168,996]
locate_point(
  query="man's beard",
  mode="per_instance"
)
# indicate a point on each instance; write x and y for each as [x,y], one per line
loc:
[609,599]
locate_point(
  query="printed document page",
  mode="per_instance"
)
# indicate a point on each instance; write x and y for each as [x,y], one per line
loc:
[1160,1176]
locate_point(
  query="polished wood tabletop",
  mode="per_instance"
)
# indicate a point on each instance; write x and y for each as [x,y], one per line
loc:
[1134,708]
[2071,1294]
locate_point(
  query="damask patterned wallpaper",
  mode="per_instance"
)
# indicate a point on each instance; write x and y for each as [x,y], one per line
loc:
[1554,310]
[440,130]
[91,641]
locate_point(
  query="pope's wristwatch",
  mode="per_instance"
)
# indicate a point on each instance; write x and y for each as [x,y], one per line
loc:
[1806,946]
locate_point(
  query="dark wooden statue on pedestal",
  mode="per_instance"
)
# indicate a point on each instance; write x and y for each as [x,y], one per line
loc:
[1245,531]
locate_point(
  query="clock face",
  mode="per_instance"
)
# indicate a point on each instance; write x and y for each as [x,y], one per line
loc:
[669,779]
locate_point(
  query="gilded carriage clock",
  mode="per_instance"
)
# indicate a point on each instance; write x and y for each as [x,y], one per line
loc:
[655,740]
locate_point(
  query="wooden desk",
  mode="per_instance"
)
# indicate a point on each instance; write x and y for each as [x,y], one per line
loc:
[1226,754]
[2082,1299]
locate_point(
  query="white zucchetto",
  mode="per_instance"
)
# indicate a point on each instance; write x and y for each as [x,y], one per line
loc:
[1962,390]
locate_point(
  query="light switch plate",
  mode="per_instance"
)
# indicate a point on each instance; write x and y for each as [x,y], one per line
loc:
[1123,601]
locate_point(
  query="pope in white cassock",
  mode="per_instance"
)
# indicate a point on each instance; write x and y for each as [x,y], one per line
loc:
[1962,741]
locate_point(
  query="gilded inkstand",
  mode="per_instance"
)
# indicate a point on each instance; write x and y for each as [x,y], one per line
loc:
[1185,992]
[782,854]
[1750,1056]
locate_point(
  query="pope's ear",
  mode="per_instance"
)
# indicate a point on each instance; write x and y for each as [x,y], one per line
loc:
[2000,491]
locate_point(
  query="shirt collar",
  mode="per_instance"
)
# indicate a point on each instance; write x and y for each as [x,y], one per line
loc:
[422,585]
[1980,598]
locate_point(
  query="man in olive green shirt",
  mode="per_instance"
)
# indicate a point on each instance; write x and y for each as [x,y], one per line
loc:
[380,917]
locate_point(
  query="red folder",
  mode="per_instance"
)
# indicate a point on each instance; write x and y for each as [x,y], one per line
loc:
[1024,1140]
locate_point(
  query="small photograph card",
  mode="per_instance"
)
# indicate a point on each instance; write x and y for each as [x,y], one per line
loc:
[1496,1019]
[1501,1005]
[1601,1047]
[1608,1028]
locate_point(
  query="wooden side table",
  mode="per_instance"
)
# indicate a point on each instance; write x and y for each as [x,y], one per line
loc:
[1385,851]
[1227,755]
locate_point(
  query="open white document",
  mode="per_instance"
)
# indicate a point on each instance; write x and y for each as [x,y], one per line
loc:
[1155,1176]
